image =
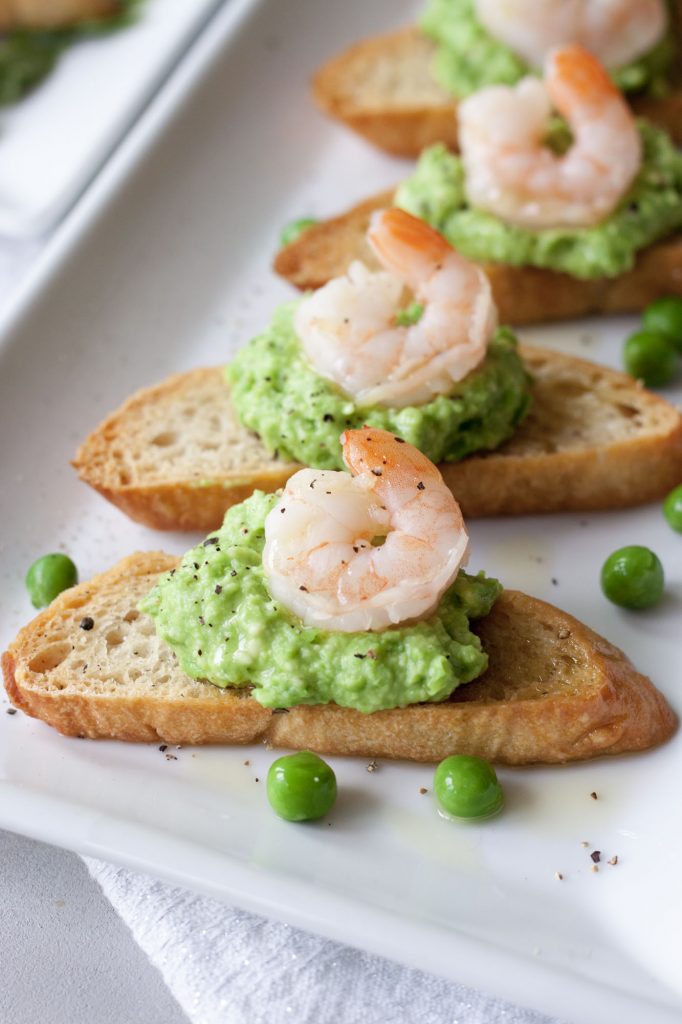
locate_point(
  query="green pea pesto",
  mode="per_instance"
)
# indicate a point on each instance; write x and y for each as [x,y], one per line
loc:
[300,414]
[469,58]
[28,55]
[650,210]
[217,614]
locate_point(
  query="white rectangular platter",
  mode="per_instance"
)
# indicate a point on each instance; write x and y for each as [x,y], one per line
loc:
[164,266]
[71,122]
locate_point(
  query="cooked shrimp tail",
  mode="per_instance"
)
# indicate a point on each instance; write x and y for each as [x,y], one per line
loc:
[511,173]
[615,31]
[365,551]
[352,328]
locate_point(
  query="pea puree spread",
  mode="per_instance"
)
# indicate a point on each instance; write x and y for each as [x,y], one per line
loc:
[216,613]
[300,414]
[469,58]
[650,210]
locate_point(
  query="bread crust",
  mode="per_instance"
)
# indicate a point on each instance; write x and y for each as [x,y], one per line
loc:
[358,88]
[516,713]
[524,295]
[47,14]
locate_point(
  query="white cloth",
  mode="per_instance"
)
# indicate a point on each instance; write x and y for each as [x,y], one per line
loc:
[226,966]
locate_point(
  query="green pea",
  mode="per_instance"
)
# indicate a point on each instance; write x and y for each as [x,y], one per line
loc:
[301,787]
[672,508]
[295,228]
[665,317]
[467,787]
[412,314]
[632,577]
[48,576]
[651,357]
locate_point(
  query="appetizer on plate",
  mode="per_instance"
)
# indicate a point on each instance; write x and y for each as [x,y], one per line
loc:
[412,348]
[401,90]
[343,603]
[568,216]
[36,32]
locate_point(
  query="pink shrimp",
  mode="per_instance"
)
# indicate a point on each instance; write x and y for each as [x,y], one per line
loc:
[321,556]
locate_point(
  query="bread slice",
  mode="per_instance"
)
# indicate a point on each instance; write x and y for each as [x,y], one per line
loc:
[384,90]
[175,456]
[554,690]
[47,14]
[524,295]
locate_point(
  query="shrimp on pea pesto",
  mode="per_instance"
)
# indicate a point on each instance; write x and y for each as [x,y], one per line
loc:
[367,549]
[615,31]
[364,332]
[513,174]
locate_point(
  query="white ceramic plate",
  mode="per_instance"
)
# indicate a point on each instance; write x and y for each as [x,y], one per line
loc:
[73,120]
[164,266]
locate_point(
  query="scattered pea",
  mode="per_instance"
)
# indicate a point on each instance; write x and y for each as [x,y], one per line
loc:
[48,576]
[295,228]
[467,787]
[650,357]
[672,508]
[632,577]
[665,317]
[301,787]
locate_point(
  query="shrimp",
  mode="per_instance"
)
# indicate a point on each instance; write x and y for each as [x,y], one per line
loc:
[511,174]
[615,31]
[349,332]
[321,558]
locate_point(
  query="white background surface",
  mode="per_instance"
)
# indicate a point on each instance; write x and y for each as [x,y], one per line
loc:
[179,262]
[67,958]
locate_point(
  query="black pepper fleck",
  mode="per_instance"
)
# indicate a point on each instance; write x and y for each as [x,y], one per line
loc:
[218,589]
[87,623]
[596,856]
[11,711]
[164,746]
[420,486]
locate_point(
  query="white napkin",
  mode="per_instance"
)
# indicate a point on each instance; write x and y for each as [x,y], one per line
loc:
[226,966]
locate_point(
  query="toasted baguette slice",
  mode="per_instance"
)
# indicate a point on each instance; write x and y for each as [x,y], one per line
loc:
[47,14]
[384,90]
[175,456]
[554,690]
[524,295]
